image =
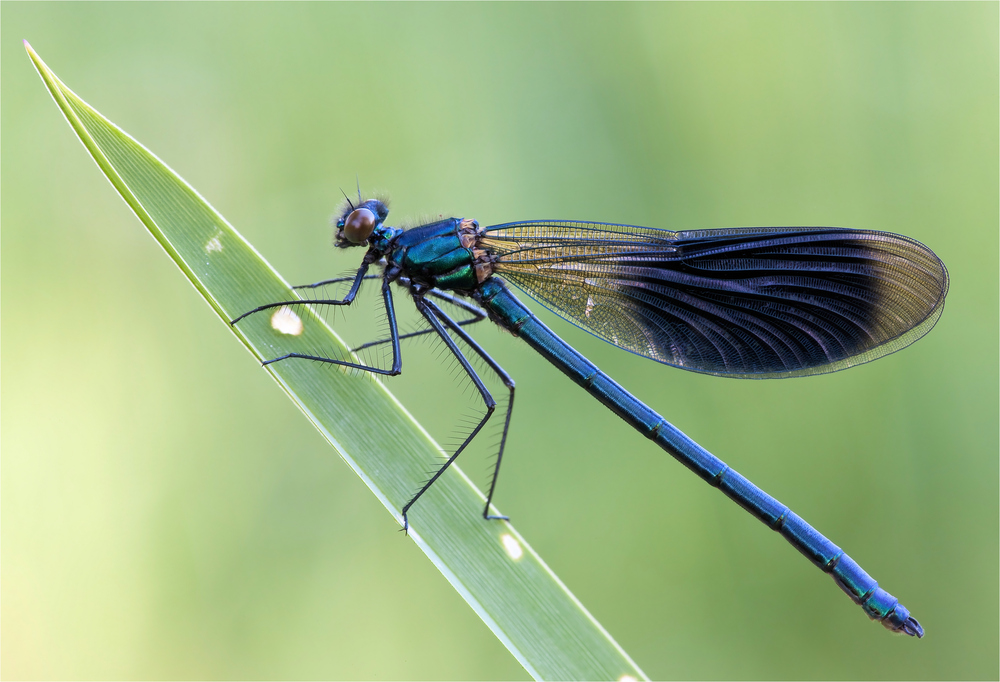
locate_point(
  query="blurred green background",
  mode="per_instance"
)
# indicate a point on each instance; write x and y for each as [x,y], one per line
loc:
[168,513]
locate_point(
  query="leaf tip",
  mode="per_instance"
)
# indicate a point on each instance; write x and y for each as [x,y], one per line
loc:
[31,52]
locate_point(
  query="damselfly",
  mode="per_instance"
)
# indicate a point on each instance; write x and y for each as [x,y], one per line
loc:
[750,303]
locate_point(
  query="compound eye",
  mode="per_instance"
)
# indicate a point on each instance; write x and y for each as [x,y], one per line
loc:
[359,226]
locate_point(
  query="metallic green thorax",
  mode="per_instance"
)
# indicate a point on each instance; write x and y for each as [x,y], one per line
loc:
[443,255]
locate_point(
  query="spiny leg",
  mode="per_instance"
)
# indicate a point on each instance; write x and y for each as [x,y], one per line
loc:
[335,280]
[504,377]
[390,312]
[478,315]
[430,311]
[458,302]
[397,360]
[359,277]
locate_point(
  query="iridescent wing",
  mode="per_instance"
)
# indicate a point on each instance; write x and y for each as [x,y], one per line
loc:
[749,302]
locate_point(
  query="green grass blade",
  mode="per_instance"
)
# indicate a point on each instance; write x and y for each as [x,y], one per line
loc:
[521,600]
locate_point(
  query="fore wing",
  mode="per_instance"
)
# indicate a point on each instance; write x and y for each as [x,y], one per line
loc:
[748,302]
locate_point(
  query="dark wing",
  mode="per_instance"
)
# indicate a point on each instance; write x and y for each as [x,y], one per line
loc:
[748,302]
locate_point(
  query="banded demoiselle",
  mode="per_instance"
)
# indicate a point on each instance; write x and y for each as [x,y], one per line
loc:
[750,303]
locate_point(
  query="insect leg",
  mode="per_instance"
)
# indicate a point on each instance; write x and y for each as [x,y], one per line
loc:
[430,311]
[359,277]
[335,280]
[477,315]
[390,312]
[504,377]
